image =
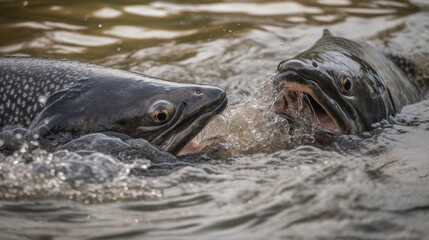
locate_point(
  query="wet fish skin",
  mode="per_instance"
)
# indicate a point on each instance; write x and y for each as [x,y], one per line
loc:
[24,89]
[380,86]
[69,98]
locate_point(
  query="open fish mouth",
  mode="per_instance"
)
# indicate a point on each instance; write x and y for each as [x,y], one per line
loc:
[309,107]
[303,100]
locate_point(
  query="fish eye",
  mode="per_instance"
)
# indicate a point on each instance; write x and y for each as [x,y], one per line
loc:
[345,83]
[162,111]
[160,116]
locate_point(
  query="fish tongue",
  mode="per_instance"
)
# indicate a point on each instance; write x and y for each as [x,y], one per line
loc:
[191,147]
[326,121]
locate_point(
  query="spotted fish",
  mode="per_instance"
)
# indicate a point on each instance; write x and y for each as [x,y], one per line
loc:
[69,98]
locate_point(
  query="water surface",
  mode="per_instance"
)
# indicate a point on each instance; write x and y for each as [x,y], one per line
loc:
[372,186]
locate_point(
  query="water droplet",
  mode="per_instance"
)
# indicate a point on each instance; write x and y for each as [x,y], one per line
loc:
[100,25]
[118,49]
[18,136]
[34,143]
[230,30]
[42,99]
[24,148]
[61,176]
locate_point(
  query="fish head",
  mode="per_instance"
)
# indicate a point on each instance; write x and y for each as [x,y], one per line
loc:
[175,113]
[166,114]
[345,92]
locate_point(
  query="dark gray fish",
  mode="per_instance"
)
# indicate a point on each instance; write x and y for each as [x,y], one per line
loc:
[69,98]
[350,85]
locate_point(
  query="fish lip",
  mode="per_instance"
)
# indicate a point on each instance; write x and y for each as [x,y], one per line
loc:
[179,138]
[294,81]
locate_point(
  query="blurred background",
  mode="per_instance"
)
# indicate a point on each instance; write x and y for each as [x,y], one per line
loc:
[233,44]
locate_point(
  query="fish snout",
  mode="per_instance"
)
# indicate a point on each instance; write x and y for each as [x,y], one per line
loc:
[209,95]
[296,65]
[211,92]
[297,71]
[202,99]
[202,103]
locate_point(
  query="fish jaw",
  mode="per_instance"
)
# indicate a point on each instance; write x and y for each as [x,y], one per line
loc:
[192,147]
[192,120]
[328,111]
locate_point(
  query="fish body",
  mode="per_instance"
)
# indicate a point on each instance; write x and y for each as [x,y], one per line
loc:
[350,85]
[63,97]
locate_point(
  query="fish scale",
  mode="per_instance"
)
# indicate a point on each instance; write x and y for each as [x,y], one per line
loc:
[20,92]
[62,100]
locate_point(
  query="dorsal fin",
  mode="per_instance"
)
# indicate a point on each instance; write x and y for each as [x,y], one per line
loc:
[326,33]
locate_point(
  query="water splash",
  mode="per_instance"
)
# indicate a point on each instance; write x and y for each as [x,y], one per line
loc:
[254,125]
[94,177]
[97,168]
[298,106]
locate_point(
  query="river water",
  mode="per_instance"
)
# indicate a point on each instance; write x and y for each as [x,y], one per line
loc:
[267,183]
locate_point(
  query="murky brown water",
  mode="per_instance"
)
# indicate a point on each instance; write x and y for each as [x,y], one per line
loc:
[373,186]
